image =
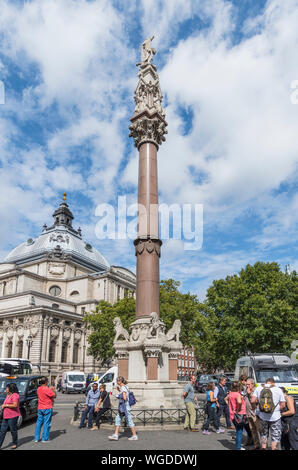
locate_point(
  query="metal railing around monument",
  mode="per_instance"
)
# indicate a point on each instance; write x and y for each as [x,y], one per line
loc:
[161,416]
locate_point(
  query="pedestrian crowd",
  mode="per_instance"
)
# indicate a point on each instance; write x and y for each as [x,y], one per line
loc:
[262,411]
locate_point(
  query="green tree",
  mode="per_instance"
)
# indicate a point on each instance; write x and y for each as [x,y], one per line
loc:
[255,310]
[101,324]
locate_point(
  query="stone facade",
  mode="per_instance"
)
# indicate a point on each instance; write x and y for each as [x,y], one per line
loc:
[46,292]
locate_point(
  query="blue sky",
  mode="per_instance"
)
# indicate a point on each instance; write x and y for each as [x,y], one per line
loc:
[225,68]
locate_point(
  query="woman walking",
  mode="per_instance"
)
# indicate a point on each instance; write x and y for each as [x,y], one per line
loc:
[123,410]
[211,410]
[237,410]
[11,412]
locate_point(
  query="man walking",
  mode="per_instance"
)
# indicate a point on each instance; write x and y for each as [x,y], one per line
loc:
[189,400]
[221,393]
[271,401]
[91,400]
[46,397]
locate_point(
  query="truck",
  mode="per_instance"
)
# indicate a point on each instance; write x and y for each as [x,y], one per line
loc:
[73,381]
[262,366]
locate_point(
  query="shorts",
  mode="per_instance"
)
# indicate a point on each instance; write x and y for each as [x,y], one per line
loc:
[275,429]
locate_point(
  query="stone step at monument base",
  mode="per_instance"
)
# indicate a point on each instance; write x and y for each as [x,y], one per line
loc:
[154,394]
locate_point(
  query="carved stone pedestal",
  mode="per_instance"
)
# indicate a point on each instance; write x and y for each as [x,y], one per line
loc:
[149,361]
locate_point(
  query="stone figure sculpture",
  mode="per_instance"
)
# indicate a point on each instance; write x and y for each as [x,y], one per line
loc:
[120,330]
[154,325]
[174,332]
[147,51]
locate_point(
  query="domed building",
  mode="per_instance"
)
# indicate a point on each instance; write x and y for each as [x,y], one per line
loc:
[47,284]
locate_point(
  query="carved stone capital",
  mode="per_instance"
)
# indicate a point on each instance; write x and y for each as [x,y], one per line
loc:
[122,355]
[146,128]
[173,355]
[150,245]
[151,352]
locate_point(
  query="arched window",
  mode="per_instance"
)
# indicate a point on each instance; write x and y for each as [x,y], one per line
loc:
[55,290]
[74,292]
[9,349]
[75,357]
[52,352]
[20,348]
[64,352]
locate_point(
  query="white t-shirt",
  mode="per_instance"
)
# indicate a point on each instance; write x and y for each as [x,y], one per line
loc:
[278,396]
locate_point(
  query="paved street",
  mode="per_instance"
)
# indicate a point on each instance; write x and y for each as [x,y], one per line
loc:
[65,436]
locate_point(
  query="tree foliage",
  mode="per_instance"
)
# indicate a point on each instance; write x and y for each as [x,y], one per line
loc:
[255,310]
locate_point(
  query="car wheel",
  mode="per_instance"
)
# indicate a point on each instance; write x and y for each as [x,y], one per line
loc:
[21,419]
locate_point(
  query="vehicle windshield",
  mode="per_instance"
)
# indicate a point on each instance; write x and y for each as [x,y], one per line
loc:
[76,378]
[21,384]
[9,369]
[205,377]
[279,375]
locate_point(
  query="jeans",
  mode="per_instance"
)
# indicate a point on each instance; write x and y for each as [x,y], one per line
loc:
[11,424]
[239,430]
[127,417]
[90,410]
[224,409]
[211,416]
[44,419]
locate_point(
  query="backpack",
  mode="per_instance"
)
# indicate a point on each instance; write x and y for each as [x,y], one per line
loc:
[131,398]
[266,403]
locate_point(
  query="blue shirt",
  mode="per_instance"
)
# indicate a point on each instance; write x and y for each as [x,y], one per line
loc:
[190,393]
[208,399]
[92,397]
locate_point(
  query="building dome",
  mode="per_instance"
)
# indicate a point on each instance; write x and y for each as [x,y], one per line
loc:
[60,241]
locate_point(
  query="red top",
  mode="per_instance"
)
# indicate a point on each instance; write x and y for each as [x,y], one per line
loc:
[11,412]
[233,404]
[45,397]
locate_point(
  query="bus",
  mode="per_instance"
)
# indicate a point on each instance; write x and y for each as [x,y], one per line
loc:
[15,366]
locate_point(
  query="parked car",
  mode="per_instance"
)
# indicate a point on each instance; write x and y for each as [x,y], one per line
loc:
[27,387]
[201,384]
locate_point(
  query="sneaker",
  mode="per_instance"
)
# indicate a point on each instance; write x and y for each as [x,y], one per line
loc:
[218,431]
[46,441]
[242,448]
[133,438]
[206,432]
[114,437]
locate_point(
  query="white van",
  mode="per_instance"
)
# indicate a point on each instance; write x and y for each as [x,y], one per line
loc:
[108,378]
[73,381]
[262,366]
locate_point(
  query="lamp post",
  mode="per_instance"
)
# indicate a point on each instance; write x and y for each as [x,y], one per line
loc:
[29,342]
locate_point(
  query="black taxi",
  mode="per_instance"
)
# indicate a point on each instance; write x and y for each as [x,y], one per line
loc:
[27,387]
